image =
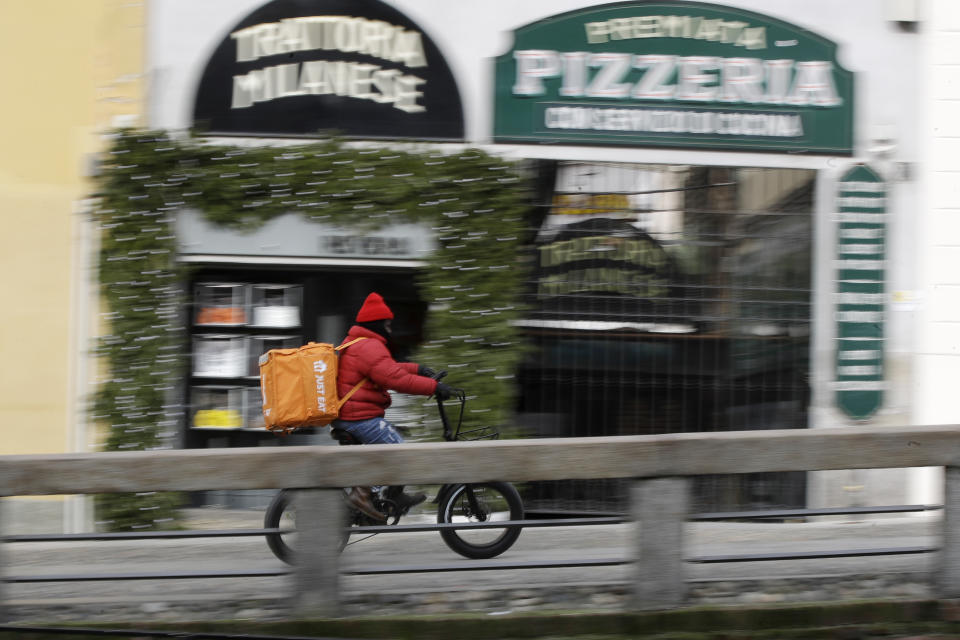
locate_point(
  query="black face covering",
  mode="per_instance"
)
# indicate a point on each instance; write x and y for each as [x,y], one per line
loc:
[377,326]
[380,328]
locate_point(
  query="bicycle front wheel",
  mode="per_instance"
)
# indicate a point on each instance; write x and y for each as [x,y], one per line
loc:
[480,502]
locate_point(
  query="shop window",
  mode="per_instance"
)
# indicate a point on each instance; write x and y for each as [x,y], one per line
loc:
[234,324]
[217,407]
[669,299]
[239,314]
[275,305]
[219,356]
[220,304]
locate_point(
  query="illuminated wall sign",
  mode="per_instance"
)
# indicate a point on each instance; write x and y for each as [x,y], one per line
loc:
[356,67]
[861,252]
[679,74]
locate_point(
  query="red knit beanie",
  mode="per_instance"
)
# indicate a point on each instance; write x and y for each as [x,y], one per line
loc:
[374,308]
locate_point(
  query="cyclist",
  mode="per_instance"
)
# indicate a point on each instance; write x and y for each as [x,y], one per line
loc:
[362,415]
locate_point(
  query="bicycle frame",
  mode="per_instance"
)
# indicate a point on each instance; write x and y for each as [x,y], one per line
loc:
[450,436]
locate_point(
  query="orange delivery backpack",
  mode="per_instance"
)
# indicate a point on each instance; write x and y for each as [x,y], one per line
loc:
[299,386]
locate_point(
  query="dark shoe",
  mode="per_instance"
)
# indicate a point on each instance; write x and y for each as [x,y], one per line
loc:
[359,497]
[405,501]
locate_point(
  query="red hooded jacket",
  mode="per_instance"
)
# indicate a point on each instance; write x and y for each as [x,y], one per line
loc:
[371,359]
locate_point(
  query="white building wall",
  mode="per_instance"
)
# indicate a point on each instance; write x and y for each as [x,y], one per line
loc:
[937,307]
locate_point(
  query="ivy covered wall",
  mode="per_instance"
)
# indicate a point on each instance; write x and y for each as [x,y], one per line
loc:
[474,203]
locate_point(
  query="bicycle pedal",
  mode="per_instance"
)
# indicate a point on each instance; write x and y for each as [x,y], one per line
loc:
[392,509]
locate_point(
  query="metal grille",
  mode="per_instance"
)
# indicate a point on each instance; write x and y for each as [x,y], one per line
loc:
[668,299]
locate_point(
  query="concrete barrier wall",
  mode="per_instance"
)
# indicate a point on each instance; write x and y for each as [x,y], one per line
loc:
[659,464]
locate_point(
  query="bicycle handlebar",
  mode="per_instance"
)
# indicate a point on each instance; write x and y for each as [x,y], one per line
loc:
[461,395]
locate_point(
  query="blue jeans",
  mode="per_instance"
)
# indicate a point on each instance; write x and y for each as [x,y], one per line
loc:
[372,431]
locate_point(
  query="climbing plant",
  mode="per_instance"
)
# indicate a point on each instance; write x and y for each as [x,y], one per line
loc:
[473,203]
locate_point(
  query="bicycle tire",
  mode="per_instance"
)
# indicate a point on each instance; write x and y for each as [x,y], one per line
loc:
[281,507]
[272,519]
[456,505]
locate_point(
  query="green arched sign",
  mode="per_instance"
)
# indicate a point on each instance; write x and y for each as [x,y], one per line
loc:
[673,74]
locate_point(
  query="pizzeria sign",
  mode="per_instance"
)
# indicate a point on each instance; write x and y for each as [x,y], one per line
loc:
[678,74]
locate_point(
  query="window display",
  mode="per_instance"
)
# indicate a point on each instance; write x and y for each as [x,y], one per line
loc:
[275,305]
[228,340]
[217,408]
[219,356]
[253,408]
[220,304]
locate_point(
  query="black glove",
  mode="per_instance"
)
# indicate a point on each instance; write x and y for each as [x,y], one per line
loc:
[425,371]
[444,391]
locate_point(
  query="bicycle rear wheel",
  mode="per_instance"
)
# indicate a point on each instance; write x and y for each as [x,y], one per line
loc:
[281,514]
[480,502]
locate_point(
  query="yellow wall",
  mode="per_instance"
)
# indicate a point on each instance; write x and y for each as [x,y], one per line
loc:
[71,68]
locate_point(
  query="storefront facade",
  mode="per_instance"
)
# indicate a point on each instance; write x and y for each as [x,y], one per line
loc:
[721,235]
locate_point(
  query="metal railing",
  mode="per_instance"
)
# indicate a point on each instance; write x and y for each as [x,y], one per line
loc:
[660,466]
[474,566]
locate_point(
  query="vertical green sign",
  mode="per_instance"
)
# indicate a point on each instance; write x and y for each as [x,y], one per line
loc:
[861,273]
[673,74]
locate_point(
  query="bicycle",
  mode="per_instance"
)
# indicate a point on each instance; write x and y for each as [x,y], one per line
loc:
[456,503]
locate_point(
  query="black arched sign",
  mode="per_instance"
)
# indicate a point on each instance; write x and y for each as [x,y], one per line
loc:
[357,68]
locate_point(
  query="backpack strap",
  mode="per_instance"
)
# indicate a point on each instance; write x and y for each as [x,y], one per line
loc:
[344,399]
[347,344]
